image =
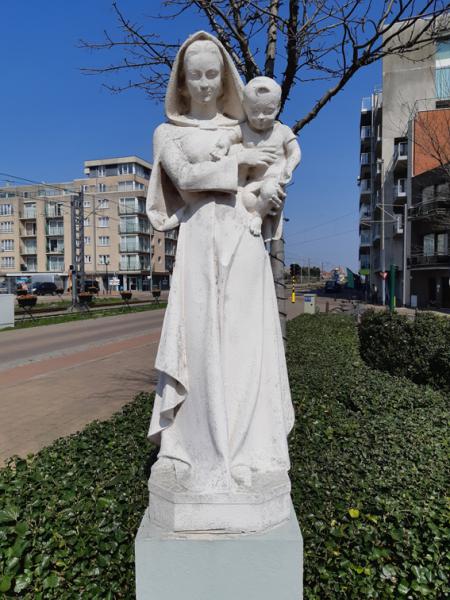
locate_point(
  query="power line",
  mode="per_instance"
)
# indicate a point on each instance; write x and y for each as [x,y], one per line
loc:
[323,237]
[323,223]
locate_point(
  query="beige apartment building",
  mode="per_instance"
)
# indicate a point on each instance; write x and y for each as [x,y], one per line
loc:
[119,242]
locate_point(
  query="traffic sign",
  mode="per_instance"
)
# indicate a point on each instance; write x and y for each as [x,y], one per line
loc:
[383,274]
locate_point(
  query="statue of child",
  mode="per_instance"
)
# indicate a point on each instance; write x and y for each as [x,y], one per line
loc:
[260,187]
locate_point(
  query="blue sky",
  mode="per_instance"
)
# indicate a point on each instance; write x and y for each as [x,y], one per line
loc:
[53,118]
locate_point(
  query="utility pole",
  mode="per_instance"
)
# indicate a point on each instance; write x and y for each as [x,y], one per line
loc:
[77,234]
[383,250]
[309,271]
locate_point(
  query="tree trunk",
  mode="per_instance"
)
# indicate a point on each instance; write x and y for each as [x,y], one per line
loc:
[277,262]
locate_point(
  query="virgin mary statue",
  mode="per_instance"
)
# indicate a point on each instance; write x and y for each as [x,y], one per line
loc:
[222,410]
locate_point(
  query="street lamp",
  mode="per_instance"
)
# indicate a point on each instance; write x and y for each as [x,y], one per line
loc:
[107,278]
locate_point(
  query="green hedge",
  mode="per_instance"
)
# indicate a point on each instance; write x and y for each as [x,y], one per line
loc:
[418,349]
[368,473]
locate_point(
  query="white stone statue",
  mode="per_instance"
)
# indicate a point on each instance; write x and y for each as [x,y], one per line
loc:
[258,186]
[223,409]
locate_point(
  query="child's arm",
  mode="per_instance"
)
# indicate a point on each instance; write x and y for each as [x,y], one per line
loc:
[224,143]
[293,157]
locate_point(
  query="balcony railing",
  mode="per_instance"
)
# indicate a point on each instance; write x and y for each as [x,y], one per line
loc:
[29,213]
[32,249]
[364,240]
[364,186]
[366,133]
[58,231]
[30,265]
[423,260]
[134,264]
[434,210]
[132,208]
[133,247]
[55,249]
[136,226]
[55,265]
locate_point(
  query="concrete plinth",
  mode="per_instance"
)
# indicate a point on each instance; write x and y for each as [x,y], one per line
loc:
[262,566]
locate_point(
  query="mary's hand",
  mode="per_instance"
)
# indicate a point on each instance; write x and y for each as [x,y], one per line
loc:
[257,157]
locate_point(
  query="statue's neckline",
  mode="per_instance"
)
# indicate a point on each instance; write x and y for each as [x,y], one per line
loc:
[211,124]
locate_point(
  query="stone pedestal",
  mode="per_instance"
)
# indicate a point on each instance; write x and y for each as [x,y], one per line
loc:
[265,504]
[261,566]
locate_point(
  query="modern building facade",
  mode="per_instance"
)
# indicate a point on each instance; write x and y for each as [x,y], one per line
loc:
[393,233]
[119,242]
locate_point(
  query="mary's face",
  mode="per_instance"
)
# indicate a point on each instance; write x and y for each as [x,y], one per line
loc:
[203,76]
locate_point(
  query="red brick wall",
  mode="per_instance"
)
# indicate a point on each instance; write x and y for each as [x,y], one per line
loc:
[431,140]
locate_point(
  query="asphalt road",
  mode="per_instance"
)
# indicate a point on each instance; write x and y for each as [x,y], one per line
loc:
[56,379]
[34,344]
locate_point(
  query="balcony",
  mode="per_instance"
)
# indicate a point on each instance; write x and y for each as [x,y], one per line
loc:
[399,190]
[133,247]
[365,187]
[28,231]
[423,261]
[366,104]
[436,210]
[55,264]
[134,263]
[28,213]
[366,159]
[134,226]
[57,231]
[54,210]
[29,265]
[55,249]
[364,241]
[134,207]
[376,233]
[401,155]
[29,249]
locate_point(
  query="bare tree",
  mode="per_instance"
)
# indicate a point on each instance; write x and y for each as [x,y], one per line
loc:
[295,41]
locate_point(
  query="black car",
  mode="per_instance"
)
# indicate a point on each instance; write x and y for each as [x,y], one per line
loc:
[91,283]
[44,288]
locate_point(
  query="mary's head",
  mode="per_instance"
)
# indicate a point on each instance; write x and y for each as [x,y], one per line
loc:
[201,75]
[203,82]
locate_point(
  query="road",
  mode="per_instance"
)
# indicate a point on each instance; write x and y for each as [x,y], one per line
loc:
[57,378]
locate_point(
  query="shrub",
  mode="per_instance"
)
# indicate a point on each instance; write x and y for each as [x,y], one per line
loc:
[418,349]
[369,471]
[368,454]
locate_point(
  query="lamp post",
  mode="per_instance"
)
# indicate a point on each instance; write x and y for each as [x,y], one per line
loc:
[107,278]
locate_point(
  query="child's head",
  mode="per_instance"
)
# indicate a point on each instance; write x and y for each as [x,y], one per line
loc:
[262,96]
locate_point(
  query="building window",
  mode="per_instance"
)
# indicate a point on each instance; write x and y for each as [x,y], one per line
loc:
[8,262]
[103,240]
[6,209]
[103,259]
[87,258]
[103,222]
[86,203]
[7,245]
[6,226]
[86,222]
[101,187]
[87,240]
[103,203]
[101,171]
[443,69]
[126,169]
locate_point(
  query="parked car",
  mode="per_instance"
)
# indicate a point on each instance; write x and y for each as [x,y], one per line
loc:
[332,287]
[91,283]
[44,288]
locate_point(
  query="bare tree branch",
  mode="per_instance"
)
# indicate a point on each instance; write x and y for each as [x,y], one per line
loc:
[301,41]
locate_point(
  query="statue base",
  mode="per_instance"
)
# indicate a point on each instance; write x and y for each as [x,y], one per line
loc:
[196,566]
[265,504]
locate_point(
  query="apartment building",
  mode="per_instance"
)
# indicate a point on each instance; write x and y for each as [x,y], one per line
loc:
[393,234]
[119,242]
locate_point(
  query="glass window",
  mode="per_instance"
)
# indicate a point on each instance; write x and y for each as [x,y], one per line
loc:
[6,209]
[8,262]
[7,245]
[87,240]
[103,222]
[87,258]
[428,244]
[103,240]
[443,69]
[6,226]
[103,203]
[103,259]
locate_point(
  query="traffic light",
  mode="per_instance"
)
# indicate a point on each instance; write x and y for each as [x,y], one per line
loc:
[292,268]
